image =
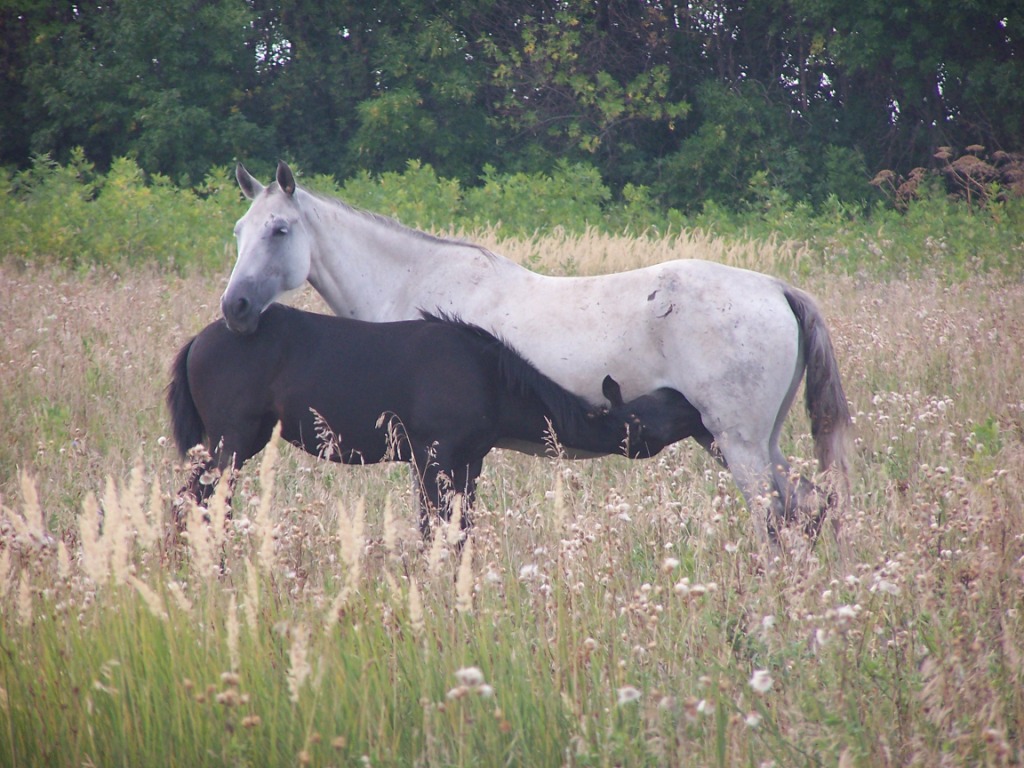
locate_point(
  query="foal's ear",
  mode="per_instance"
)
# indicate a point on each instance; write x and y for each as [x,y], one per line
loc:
[285,178]
[611,389]
[250,187]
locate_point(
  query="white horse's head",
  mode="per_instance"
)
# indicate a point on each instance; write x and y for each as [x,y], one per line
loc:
[273,250]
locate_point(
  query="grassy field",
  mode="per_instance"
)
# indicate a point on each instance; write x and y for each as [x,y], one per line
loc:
[605,613]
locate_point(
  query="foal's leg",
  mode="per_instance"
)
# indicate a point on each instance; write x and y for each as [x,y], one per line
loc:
[427,486]
[236,446]
[201,485]
[438,489]
[465,484]
[464,489]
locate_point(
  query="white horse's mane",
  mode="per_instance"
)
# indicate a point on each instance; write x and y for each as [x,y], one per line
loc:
[397,226]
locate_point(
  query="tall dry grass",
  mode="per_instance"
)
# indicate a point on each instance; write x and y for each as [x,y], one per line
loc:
[606,613]
[596,253]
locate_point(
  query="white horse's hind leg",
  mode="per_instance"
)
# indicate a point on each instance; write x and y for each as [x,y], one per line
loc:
[750,463]
[799,497]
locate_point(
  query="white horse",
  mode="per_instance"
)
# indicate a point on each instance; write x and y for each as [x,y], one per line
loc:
[733,342]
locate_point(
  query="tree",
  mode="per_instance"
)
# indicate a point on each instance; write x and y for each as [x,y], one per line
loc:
[312,60]
[587,81]
[168,83]
[693,101]
[21,26]
[909,77]
[426,102]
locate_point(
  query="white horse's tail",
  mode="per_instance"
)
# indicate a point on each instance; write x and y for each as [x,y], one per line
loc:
[826,400]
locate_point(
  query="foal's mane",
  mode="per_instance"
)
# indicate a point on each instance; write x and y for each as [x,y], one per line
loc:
[569,410]
[394,224]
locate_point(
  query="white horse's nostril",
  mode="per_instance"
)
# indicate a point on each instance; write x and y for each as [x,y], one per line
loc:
[235,309]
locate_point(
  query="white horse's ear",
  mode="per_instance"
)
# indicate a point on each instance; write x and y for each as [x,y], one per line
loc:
[285,178]
[611,390]
[249,186]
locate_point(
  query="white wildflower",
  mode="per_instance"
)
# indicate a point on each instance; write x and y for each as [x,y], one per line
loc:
[886,587]
[471,677]
[847,611]
[627,695]
[528,572]
[761,681]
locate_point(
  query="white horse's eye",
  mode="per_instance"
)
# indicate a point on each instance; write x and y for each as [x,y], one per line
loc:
[280,229]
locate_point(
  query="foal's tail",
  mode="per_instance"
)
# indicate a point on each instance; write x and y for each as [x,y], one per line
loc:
[185,420]
[826,401]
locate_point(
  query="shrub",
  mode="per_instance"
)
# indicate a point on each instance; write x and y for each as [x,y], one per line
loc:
[417,197]
[73,216]
[572,197]
[70,215]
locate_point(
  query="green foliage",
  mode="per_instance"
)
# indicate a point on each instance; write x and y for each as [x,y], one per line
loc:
[427,105]
[571,197]
[743,149]
[933,235]
[639,214]
[164,84]
[558,93]
[393,126]
[842,174]
[721,154]
[73,216]
[690,103]
[416,197]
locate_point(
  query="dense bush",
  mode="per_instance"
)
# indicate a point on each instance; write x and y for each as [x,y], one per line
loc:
[70,214]
[417,196]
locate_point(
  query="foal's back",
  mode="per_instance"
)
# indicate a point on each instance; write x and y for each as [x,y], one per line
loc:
[436,379]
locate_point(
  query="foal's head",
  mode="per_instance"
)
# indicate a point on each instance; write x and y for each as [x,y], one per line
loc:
[652,420]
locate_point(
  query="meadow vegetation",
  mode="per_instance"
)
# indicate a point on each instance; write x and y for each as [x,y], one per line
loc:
[75,216]
[603,613]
